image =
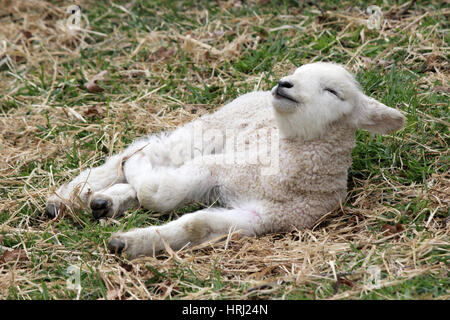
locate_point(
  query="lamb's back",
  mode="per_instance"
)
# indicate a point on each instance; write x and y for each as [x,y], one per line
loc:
[245,113]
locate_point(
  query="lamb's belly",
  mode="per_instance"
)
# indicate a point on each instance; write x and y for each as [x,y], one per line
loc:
[284,189]
[237,184]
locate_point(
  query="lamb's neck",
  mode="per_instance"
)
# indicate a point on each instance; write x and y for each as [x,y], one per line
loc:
[297,126]
[335,134]
[318,161]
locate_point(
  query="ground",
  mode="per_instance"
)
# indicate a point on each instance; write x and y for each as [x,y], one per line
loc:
[160,64]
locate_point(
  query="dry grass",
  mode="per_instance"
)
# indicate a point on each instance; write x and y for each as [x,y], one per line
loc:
[164,71]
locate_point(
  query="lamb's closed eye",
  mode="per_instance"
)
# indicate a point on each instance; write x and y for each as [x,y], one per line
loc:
[334,92]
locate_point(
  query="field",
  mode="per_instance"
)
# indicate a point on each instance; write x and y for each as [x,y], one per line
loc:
[159,64]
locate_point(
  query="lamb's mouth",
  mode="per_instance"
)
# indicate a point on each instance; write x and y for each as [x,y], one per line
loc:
[278,93]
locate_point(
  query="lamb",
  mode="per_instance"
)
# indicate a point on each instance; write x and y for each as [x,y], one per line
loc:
[274,160]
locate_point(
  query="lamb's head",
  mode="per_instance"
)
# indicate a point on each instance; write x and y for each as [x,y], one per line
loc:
[319,94]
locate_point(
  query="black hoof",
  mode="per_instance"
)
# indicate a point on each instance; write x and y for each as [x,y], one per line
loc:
[99,207]
[50,211]
[116,246]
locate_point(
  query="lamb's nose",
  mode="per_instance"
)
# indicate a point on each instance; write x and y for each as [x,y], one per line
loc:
[285,84]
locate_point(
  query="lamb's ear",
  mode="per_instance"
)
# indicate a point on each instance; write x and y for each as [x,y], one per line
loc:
[376,117]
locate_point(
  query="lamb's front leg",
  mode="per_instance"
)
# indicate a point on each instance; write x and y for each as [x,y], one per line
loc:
[190,229]
[113,201]
[79,191]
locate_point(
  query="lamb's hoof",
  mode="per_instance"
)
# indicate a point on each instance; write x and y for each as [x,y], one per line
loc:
[116,245]
[51,210]
[100,207]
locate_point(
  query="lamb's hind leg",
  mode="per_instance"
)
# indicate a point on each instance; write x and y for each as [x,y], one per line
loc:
[190,229]
[82,188]
[149,168]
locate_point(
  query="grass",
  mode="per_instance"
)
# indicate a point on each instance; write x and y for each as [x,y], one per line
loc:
[51,127]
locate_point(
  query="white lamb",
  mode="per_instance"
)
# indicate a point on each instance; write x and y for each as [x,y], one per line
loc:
[274,161]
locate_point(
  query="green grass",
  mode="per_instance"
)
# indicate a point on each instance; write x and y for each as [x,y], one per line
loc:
[402,178]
